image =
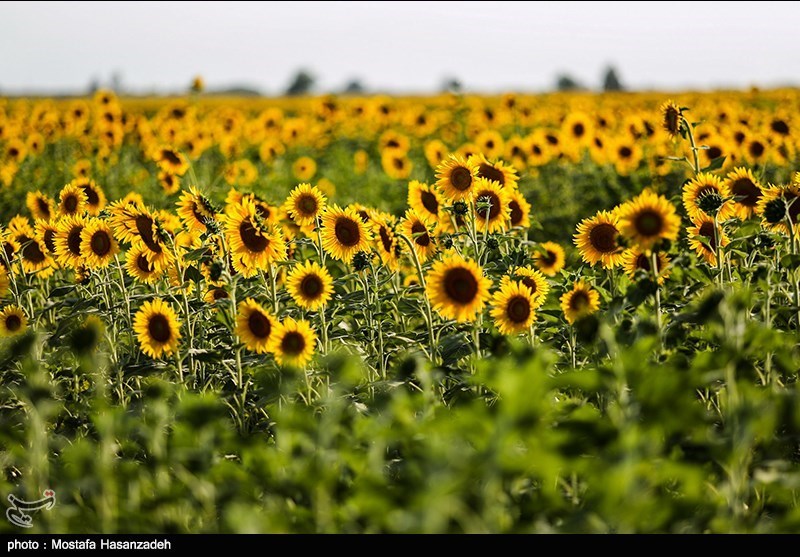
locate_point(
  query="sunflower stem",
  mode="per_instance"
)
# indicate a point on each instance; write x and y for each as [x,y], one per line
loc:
[427,305]
[718,254]
[793,270]
[381,363]
[654,271]
[695,150]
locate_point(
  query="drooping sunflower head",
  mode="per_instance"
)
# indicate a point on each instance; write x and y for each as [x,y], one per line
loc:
[195,210]
[579,302]
[425,200]
[745,190]
[549,258]
[40,205]
[704,195]
[95,197]
[597,240]
[304,204]
[255,326]
[157,328]
[532,279]
[513,308]
[492,209]
[386,242]
[705,236]
[671,117]
[310,285]
[519,210]
[71,201]
[12,321]
[647,219]
[344,233]
[503,174]
[455,178]
[138,264]
[420,234]
[457,288]
[293,343]
[68,241]
[98,245]
[636,263]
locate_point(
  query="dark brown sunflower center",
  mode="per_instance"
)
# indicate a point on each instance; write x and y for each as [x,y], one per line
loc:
[420,234]
[100,243]
[429,202]
[13,323]
[551,139]
[643,262]
[756,149]
[259,324]
[170,156]
[549,258]
[50,240]
[461,178]
[91,195]
[625,152]
[263,210]
[44,207]
[31,252]
[144,226]
[780,127]
[518,309]
[71,204]
[516,212]
[158,328]
[578,130]
[648,223]
[747,191]
[13,152]
[603,237]
[494,205]
[707,231]
[386,242]
[198,212]
[398,163]
[713,152]
[143,264]
[347,232]
[491,173]
[671,119]
[392,143]
[293,343]
[530,283]
[74,240]
[460,285]
[252,239]
[579,300]
[219,294]
[307,205]
[311,286]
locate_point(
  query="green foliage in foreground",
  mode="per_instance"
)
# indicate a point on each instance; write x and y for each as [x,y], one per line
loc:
[695,439]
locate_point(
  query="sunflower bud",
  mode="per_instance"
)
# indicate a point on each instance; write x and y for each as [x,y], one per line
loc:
[447,242]
[492,243]
[764,240]
[710,203]
[775,210]
[85,338]
[460,208]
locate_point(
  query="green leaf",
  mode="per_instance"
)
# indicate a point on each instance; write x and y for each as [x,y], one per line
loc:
[715,164]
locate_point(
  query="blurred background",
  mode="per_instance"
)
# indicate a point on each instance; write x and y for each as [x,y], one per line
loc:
[275,48]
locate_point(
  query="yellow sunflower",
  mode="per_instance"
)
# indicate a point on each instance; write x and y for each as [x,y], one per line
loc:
[170,160]
[304,169]
[5,281]
[519,210]
[169,182]
[702,185]
[647,219]
[746,192]
[420,234]
[386,242]
[95,197]
[12,321]
[293,343]
[634,261]
[139,266]
[98,245]
[671,117]
[778,205]
[396,164]
[513,308]
[457,288]
[255,326]
[596,239]
[703,239]
[579,302]
[550,258]
[40,205]
[71,201]
[310,285]
[254,246]
[435,152]
[34,255]
[214,294]
[195,210]
[157,328]
[455,178]
[531,278]
[344,233]
[425,200]
[304,204]
[68,241]
[499,172]
[497,214]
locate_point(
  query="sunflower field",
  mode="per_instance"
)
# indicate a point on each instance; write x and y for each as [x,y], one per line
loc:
[555,313]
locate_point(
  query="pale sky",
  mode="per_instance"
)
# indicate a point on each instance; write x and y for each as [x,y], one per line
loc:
[397,46]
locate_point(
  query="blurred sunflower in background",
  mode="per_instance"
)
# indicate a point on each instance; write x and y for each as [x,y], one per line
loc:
[157,328]
[579,302]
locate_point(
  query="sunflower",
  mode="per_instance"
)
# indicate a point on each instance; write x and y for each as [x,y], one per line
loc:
[703,238]
[98,244]
[304,169]
[68,241]
[253,244]
[360,162]
[778,202]
[425,200]
[34,256]
[293,343]
[420,235]
[195,210]
[344,233]
[9,247]
[549,258]
[625,154]
[304,204]
[579,302]
[40,205]
[95,198]
[170,160]
[492,209]
[157,328]
[746,191]
[455,178]
[457,288]
[435,152]
[701,186]
[513,308]
[214,294]
[634,261]
[519,210]
[597,240]
[396,164]
[169,182]
[12,321]
[531,278]
[648,218]
[499,172]
[71,201]
[386,241]
[490,143]
[577,130]
[139,266]
[255,326]
[671,117]
[310,285]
